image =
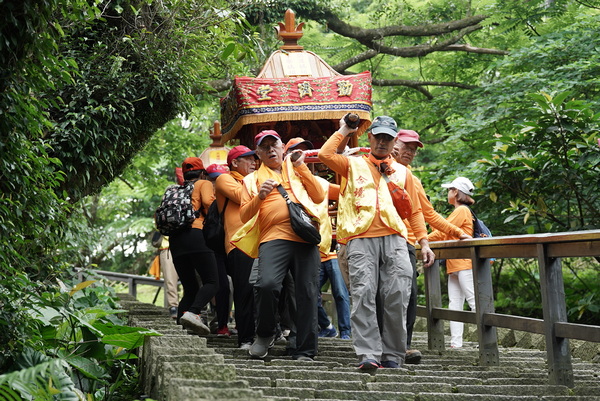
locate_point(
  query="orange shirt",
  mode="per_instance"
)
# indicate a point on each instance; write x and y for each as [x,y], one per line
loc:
[435,220]
[274,218]
[226,186]
[463,219]
[339,164]
[202,196]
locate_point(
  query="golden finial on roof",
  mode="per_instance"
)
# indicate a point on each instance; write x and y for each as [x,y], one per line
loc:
[289,33]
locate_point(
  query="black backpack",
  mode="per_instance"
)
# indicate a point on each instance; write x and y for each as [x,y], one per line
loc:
[214,229]
[176,212]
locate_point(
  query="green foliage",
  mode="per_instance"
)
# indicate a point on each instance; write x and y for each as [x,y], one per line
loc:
[84,87]
[66,340]
[47,380]
[119,221]
[517,289]
[29,176]
[548,174]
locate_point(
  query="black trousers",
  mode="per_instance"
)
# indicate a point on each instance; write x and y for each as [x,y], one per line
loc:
[222,296]
[240,265]
[275,259]
[196,297]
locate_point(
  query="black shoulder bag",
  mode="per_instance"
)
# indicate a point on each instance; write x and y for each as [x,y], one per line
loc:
[305,226]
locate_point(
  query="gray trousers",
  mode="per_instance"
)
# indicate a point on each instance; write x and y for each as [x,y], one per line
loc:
[275,258]
[380,280]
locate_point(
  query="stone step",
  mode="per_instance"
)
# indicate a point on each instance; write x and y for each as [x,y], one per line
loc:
[513,390]
[321,384]
[278,392]
[474,397]
[179,366]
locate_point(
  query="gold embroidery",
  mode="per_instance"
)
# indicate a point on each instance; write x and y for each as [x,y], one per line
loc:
[304,89]
[264,91]
[344,88]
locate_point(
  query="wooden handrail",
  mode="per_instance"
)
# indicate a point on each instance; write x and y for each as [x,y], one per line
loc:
[548,249]
[132,280]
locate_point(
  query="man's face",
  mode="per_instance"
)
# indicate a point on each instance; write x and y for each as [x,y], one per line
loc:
[404,153]
[381,145]
[244,165]
[270,152]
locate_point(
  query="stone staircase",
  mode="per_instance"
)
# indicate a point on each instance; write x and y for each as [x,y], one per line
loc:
[180,366]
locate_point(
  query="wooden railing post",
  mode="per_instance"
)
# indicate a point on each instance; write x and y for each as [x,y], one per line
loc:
[433,296]
[484,301]
[560,368]
[132,287]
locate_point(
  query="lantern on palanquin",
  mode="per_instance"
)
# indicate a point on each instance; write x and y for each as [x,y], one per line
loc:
[215,153]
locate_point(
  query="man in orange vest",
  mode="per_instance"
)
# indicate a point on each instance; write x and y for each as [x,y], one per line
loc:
[376,242]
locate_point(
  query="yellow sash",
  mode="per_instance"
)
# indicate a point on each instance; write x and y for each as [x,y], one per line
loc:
[247,238]
[360,199]
[319,210]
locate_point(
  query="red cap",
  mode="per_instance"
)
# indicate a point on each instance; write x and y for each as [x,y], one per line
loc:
[238,151]
[191,164]
[215,170]
[292,143]
[263,134]
[408,136]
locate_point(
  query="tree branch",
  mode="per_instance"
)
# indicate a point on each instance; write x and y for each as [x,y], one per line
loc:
[418,50]
[337,25]
[471,49]
[359,58]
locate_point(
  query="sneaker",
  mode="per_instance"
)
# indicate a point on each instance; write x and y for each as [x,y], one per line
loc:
[413,356]
[245,345]
[345,336]
[303,358]
[173,312]
[260,348]
[389,364]
[193,322]
[223,332]
[332,332]
[368,364]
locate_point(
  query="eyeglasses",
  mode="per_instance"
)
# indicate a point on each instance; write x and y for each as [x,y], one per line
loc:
[266,147]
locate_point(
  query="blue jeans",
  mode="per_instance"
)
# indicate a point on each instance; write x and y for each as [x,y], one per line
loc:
[330,270]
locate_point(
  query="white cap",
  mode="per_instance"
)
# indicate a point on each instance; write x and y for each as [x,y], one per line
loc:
[463,184]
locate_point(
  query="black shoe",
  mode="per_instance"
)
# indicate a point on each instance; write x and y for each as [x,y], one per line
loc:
[368,364]
[389,364]
[413,357]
